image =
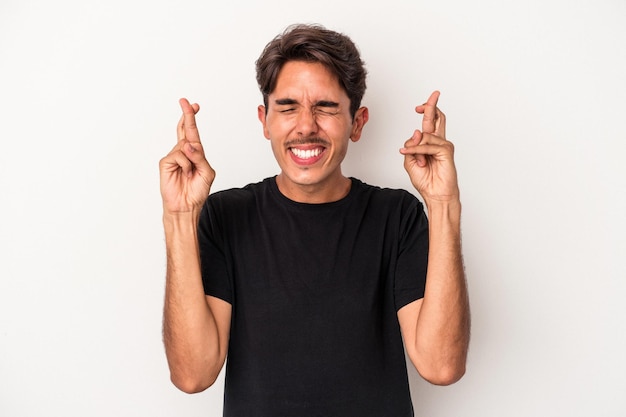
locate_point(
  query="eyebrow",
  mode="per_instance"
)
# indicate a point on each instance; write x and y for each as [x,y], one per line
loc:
[285,101]
[320,103]
[326,103]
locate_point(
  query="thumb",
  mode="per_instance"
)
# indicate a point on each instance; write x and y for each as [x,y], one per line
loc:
[193,151]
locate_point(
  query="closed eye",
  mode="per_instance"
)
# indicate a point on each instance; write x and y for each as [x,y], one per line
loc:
[326,110]
[327,107]
[286,105]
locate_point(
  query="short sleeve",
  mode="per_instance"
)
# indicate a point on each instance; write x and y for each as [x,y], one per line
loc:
[215,277]
[412,262]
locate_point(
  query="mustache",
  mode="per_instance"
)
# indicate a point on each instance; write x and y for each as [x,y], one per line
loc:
[307,141]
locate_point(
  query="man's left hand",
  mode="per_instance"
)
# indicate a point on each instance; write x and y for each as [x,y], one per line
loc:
[429,157]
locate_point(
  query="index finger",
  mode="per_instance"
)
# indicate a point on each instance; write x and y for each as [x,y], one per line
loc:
[187,128]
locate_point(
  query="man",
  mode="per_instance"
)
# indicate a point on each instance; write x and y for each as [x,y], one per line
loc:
[310,281]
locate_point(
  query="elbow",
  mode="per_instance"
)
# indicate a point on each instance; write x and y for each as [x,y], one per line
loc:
[440,371]
[194,373]
[193,384]
[190,386]
[443,376]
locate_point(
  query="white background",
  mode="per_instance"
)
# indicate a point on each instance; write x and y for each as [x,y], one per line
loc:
[534,93]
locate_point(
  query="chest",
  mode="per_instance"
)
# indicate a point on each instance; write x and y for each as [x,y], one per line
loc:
[326,262]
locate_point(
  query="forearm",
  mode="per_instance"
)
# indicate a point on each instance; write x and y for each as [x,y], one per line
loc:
[443,325]
[190,331]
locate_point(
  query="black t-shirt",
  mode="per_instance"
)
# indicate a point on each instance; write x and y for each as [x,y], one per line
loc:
[315,289]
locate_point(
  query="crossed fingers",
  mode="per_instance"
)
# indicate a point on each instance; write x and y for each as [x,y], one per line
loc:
[430,141]
[187,128]
[434,120]
[188,152]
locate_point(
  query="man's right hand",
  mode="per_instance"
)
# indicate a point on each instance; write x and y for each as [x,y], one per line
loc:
[195,326]
[186,175]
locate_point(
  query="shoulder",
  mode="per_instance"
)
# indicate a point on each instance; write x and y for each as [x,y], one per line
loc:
[238,196]
[385,197]
[231,209]
[234,204]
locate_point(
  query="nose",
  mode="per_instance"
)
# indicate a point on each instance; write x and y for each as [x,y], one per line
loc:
[306,123]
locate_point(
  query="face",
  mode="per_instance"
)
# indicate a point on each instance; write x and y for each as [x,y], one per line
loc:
[309,125]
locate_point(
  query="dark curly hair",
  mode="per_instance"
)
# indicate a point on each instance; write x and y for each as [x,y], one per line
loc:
[313,43]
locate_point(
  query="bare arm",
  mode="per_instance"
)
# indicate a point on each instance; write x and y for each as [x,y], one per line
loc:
[436,329]
[195,327]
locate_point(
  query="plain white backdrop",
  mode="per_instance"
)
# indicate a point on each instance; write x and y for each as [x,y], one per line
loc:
[534,93]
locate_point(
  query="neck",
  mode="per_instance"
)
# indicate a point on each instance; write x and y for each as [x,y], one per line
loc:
[314,193]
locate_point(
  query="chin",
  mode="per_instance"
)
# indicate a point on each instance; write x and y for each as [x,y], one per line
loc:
[304,177]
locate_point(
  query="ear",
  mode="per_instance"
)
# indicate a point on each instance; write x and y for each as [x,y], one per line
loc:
[360,118]
[262,115]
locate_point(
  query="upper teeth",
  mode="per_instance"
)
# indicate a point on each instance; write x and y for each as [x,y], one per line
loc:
[306,154]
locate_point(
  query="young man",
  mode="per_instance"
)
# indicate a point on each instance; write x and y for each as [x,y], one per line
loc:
[310,281]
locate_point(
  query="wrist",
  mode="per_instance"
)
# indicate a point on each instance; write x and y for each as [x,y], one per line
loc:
[181,220]
[446,211]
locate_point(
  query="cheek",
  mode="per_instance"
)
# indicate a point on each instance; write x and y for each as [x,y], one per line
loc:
[340,150]
[334,128]
[275,146]
[279,128]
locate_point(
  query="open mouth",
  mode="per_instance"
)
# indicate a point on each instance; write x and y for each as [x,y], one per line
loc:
[306,155]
